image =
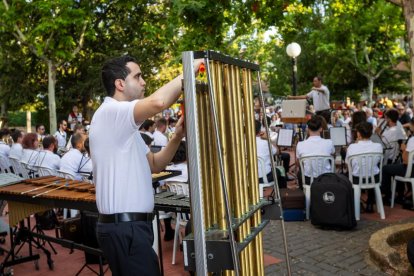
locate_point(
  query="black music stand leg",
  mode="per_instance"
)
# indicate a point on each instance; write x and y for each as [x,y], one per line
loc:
[159,244]
[39,231]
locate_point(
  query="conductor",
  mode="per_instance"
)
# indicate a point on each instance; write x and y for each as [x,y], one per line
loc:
[320,97]
[123,165]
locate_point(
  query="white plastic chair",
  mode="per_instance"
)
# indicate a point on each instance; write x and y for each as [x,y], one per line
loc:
[366,163]
[15,163]
[317,165]
[180,188]
[4,164]
[266,183]
[44,171]
[406,179]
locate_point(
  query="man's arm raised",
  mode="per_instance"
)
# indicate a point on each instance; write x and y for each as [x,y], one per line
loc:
[162,98]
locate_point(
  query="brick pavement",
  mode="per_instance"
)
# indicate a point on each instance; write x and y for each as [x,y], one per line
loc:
[322,252]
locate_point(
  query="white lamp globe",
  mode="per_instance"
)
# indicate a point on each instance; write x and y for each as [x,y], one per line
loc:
[293,50]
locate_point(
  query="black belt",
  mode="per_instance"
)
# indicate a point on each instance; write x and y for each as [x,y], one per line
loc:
[125,217]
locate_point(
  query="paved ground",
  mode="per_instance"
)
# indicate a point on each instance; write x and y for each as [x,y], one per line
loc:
[322,252]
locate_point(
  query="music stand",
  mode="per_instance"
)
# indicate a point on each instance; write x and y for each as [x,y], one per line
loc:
[285,137]
[338,136]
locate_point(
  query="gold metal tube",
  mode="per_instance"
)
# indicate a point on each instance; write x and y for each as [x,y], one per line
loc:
[203,151]
[219,208]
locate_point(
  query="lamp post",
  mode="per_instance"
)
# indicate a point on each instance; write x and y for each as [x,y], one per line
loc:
[293,50]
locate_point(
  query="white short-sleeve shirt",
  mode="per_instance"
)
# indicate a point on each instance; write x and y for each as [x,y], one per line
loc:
[320,100]
[315,146]
[49,160]
[61,138]
[391,136]
[263,152]
[30,156]
[16,151]
[359,148]
[159,139]
[410,145]
[74,162]
[121,171]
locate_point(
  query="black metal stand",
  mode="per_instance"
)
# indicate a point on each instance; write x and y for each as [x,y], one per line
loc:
[21,236]
[101,271]
[38,230]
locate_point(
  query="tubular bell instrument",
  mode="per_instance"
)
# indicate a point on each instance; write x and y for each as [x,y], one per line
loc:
[223,169]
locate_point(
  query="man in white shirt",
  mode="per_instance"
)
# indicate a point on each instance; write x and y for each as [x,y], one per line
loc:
[392,134]
[320,97]
[75,162]
[160,139]
[123,165]
[314,146]
[364,145]
[16,150]
[61,135]
[5,149]
[148,128]
[263,153]
[47,157]
[392,170]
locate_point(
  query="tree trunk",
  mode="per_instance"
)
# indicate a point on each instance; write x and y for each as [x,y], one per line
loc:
[408,7]
[51,94]
[370,89]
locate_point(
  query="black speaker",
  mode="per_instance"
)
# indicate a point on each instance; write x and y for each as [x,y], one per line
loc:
[89,221]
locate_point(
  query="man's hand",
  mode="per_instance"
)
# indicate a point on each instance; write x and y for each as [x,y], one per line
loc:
[180,128]
[197,63]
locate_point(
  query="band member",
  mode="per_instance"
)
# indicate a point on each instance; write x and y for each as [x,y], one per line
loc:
[320,96]
[123,165]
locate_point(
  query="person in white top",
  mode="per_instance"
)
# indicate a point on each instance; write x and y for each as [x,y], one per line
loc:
[123,165]
[75,161]
[370,118]
[314,146]
[47,157]
[16,150]
[5,150]
[61,135]
[79,128]
[160,139]
[263,153]
[75,118]
[30,152]
[392,134]
[392,170]
[364,145]
[148,128]
[320,97]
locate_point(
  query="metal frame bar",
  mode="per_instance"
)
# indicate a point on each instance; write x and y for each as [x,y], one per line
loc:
[194,162]
[276,186]
[212,55]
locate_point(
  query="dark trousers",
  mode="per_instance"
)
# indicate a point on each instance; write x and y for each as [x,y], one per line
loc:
[280,180]
[388,172]
[128,248]
[285,157]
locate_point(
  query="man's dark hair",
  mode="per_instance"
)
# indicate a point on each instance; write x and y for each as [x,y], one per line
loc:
[315,123]
[319,78]
[48,140]
[365,129]
[161,122]
[171,120]
[115,69]
[16,134]
[4,132]
[86,145]
[38,126]
[358,117]
[258,126]
[180,154]
[76,139]
[147,124]
[392,114]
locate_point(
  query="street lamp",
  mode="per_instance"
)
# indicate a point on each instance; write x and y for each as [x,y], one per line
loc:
[293,50]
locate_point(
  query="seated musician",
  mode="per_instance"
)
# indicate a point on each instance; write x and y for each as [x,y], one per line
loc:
[77,128]
[314,145]
[48,158]
[16,150]
[363,144]
[391,132]
[263,153]
[75,161]
[392,170]
[160,139]
[30,150]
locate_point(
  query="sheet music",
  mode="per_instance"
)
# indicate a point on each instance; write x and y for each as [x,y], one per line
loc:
[285,137]
[338,136]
